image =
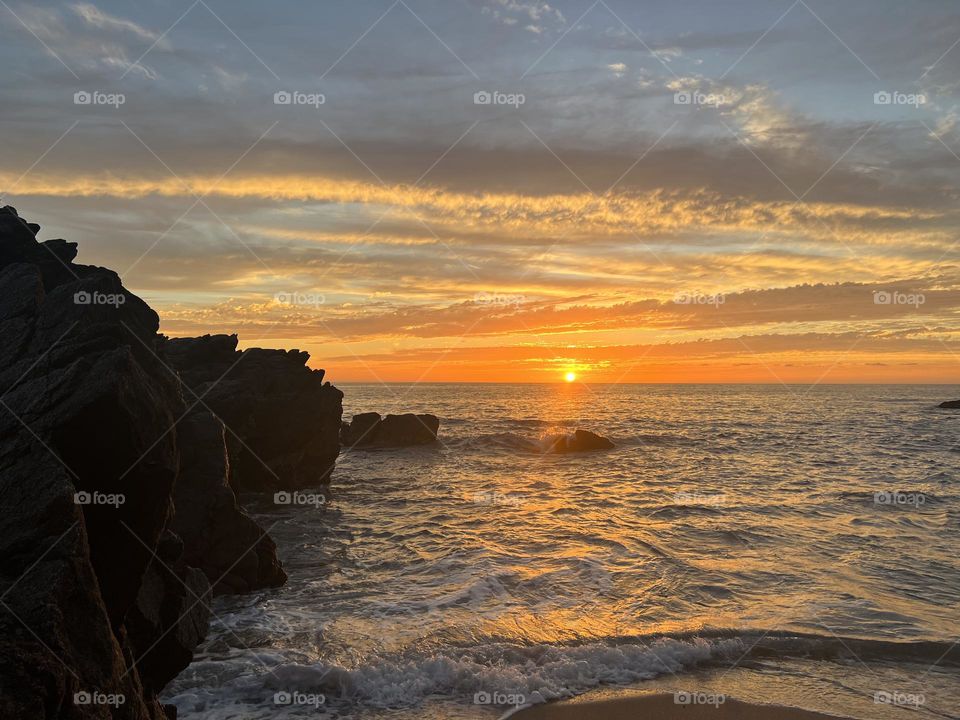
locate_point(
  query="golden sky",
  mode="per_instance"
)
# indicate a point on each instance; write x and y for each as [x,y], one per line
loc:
[694,194]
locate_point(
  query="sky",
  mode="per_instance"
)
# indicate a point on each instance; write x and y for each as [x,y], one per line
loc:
[509,190]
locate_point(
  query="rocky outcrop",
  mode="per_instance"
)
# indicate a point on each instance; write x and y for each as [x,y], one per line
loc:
[88,462]
[369,430]
[234,553]
[170,617]
[580,441]
[282,420]
[952,404]
[117,512]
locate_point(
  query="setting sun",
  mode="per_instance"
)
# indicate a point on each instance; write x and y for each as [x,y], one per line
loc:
[570,376]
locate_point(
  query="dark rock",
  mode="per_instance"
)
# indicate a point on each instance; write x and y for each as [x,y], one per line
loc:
[282,421]
[234,553]
[408,429]
[360,430]
[581,441]
[952,404]
[86,409]
[105,587]
[368,430]
[170,617]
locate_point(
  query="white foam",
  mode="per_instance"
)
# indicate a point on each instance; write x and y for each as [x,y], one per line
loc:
[538,673]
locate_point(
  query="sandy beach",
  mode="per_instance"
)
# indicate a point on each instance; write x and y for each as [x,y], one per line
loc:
[662,707]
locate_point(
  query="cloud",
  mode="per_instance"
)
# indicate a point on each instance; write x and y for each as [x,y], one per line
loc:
[537,14]
[703,198]
[583,213]
[92,40]
[95,17]
[792,311]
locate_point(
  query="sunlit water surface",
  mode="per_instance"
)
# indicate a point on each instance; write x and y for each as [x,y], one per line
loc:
[766,541]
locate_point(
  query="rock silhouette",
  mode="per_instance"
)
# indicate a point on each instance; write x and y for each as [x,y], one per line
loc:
[86,413]
[234,553]
[580,441]
[118,508]
[282,421]
[369,430]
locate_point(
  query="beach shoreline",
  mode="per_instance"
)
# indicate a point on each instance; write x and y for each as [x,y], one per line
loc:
[662,706]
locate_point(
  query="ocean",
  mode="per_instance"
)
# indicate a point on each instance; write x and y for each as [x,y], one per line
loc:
[788,544]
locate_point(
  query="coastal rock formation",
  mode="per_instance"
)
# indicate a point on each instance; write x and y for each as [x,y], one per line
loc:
[952,404]
[170,617]
[117,512]
[87,468]
[369,430]
[282,421]
[234,553]
[580,441]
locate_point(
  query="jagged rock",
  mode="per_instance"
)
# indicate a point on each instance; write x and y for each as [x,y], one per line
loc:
[360,430]
[170,616]
[581,441]
[100,596]
[220,538]
[282,421]
[86,409]
[368,430]
[952,404]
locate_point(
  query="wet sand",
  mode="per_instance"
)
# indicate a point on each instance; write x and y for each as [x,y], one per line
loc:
[661,706]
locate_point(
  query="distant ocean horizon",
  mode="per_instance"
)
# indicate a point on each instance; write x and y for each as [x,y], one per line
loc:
[680,384]
[771,544]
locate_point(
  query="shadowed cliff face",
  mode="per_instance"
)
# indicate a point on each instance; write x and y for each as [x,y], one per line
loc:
[234,552]
[104,586]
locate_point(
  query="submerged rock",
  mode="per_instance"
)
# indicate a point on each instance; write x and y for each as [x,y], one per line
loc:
[580,441]
[369,430]
[952,404]
[282,420]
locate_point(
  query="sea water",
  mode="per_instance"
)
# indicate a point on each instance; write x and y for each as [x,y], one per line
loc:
[794,544]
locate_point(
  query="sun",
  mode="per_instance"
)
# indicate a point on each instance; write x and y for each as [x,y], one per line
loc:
[570,376]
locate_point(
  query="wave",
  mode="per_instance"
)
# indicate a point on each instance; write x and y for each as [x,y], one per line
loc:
[538,673]
[783,643]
